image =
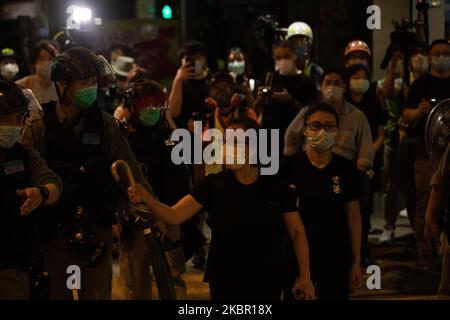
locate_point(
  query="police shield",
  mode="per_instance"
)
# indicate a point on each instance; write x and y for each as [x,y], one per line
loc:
[437,131]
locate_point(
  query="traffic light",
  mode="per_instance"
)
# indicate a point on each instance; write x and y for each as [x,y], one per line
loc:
[167,9]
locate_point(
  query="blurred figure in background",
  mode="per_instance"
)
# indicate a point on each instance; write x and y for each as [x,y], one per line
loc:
[239,68]
[42,59]
[301,35]
[9,65]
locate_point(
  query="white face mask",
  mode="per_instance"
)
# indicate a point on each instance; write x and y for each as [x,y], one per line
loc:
[360,86]
[9,136]
[285,66]
[420,63]
[321,141]
[43,69]
[9,70]
[333,94]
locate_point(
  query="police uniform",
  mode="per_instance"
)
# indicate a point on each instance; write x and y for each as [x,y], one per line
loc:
[20,168]
[81,151]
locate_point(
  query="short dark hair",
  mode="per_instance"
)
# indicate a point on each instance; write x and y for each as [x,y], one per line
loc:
[12,99]
[320,106]
[193,48]
[350,71]
[52,47]
[336,70]
[439,41]
[284,44]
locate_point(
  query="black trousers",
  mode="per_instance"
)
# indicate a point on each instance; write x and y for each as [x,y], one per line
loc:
[331,283]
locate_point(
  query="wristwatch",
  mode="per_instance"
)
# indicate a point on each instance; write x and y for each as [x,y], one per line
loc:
[44,193]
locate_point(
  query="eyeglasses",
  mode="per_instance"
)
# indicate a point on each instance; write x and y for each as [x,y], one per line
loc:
[317,126]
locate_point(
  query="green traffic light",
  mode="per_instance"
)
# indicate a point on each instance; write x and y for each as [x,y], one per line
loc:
[166,12]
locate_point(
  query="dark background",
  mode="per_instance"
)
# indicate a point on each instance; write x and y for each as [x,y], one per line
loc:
[220,24]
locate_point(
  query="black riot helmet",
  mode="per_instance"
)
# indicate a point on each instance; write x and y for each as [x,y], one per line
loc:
[12,99]
[80,64]
[142,89]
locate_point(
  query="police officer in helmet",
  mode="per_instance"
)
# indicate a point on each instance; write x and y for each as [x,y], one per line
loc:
[26,183]
[81,143]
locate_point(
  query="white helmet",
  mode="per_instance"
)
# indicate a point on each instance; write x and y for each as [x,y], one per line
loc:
[299,28]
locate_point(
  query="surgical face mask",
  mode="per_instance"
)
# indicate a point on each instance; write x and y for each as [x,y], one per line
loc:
[237,67]
[43,69]
[9,71]
[321,141]
[199,66]
[285,66]
[150,117]
[419,63]
[333,94]
[84,98]
[440,63]
[360,86]
[301,51]
[9,136]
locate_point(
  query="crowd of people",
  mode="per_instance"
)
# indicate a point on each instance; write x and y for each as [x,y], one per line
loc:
[300,234]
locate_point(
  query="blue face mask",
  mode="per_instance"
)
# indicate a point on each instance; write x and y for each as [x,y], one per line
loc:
[237,67]
[301,51]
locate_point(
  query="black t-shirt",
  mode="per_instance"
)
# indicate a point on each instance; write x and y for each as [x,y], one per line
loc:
[322,198]
[372,109]
[247,228]
[277,115]
[426,87]
[193,101]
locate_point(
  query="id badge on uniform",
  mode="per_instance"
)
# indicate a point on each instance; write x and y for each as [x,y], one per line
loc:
[13,167]
[91,139]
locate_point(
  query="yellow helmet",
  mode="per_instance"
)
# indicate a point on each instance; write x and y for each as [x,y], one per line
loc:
[299,28]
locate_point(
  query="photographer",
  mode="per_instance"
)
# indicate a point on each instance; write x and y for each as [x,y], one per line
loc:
[422,96]
[286,91]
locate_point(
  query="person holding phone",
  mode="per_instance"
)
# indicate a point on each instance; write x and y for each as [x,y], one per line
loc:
[190,86]
[285,91]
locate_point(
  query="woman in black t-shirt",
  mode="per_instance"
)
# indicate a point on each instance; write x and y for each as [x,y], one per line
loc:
[248,214]
[328,189]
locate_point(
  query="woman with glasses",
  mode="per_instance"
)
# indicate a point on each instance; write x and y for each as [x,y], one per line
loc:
[328,189]
[249,214]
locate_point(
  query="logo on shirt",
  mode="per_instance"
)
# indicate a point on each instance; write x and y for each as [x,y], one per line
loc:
[336,187]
